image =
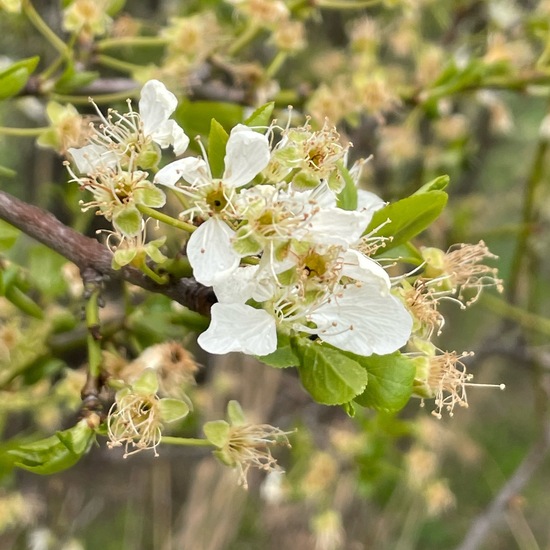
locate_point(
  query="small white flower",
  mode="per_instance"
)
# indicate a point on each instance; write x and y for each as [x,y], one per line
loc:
[238,327]
[210,249]
[131,134]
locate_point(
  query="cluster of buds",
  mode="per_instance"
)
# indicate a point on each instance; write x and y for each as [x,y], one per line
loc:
[269,236]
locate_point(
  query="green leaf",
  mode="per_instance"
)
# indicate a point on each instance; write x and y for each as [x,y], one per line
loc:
[261,116]
[56,453]
[217,141]
[217,432]
[128,221]
[437,184]
[195,116]
[14,78]
[408,217]
[71,79]
[283,356]
[347,198]
[172,409]
[8,236]
[13,82]
[331,377]
[390,381]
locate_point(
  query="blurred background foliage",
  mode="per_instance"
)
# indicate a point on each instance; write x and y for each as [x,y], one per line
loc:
[424,86]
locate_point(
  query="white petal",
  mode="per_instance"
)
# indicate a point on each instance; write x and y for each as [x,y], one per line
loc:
[90,158]
[323,196]
[169,133]
[155,105]
[369,201]
[239,286]
[247,154]
[362,268]
[210,252]
[238,327]
[363,321]
[191,169]
[337,226]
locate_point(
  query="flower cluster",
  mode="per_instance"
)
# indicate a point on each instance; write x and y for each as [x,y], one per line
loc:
[279,252]
[270,235]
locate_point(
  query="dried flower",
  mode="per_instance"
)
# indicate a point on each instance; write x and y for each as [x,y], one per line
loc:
[136,418]
[242,445]
[461,269]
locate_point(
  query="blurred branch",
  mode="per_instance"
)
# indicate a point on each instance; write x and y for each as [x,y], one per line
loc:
[88,254]
[497,509]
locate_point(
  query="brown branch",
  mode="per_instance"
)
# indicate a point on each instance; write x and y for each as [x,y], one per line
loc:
[495,512]
[88,254]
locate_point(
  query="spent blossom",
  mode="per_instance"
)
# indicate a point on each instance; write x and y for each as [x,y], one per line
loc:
[443,376]
[241,445]
[136,418]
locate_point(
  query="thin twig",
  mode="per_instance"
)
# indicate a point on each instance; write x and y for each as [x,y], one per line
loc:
[88,253]
[496,511]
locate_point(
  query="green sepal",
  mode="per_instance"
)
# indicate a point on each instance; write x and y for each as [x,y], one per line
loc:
[56,453]
[217,432]
[152,250]
[122,257]
[408,217]
[329,375]
[390,381]
[235,413]
[14,78]
[217,142]
[147,383]
[172,409]
[128,220]
[261,116]
[149,195]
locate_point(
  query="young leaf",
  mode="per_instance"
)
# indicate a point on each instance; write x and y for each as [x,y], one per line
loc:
[331,377]
[194,116]
[14,78]
[437,184]
[261,116]
[347,198]
[390,382]
[217,140]
[56,453]
[408,217]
